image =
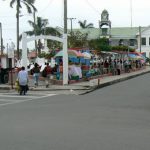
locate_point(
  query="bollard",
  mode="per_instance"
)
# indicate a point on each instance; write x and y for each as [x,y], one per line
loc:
[98,81]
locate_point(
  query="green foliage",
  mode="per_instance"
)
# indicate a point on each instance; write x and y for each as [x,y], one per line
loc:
[42,55]
[39,27]
[77,39]
[122,48]
[46,55]
[54,44]
[84,24]
[100,44]
[28,3]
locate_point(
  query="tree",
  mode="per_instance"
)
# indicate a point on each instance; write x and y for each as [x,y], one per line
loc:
[40,28]
[84,24]
[29,5]
[77,39]
[100,44]
[53,44]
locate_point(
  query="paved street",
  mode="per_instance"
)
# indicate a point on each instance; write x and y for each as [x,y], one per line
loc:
[14,97]
[116,117]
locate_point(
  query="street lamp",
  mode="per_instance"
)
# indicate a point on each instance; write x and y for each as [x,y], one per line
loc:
[71,23]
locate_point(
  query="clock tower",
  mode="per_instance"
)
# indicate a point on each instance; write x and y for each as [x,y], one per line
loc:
[105,25]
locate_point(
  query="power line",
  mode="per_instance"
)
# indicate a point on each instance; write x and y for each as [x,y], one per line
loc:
[44,9]
[92,7]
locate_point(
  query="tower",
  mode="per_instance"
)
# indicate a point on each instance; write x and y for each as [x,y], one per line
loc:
[105,25]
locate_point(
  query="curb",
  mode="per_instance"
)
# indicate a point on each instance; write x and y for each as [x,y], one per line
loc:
[49,89]
[114,82]
[5,88]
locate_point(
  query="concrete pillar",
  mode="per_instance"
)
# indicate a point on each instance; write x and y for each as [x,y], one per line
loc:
[65,60]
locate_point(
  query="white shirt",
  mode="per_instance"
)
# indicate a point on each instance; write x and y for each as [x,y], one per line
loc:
[23,77]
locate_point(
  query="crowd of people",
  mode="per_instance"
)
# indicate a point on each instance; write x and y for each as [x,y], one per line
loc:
[76,71]
[115,66]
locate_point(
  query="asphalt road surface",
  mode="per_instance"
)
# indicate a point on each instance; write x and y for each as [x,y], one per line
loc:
[112,118]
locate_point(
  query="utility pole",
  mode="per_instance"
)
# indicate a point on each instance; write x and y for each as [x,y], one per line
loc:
[140,38]
[17,17]
[65,47]
[1,38]
[131,11]
[65,16]
[71,23]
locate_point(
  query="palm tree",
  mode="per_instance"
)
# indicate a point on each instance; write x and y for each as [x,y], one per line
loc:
[40,28]
[84,24]
[29,5]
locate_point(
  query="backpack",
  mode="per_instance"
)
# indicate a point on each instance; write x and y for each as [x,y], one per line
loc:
[44,73]
[36,70]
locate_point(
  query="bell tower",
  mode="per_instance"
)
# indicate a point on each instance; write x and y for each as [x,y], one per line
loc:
[105,25]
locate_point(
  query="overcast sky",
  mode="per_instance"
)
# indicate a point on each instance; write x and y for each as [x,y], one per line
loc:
[90,10]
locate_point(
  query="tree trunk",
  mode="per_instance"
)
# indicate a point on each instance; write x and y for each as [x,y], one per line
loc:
[39,47]
[17,17]
[35,30]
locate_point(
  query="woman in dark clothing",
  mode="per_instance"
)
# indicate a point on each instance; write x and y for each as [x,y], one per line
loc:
[36,73]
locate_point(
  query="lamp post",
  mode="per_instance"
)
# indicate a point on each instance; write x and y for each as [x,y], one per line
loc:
[71,23]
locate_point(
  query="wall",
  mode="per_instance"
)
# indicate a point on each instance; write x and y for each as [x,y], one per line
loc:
[144,48]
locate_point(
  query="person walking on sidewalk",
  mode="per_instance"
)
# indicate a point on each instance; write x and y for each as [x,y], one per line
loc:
[23,80]
[118,67]
[36,74]
[48,71]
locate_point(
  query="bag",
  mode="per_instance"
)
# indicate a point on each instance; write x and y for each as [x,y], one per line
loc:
[17,86]
[44,73]
[27,88]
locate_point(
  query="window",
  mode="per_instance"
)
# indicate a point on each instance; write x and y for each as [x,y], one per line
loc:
[131,42]
[143,41]
[121,42]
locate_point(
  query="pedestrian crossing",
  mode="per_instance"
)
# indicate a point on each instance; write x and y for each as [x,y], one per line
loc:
[13,97]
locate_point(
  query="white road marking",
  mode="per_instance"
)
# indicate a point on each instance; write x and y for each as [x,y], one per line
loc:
[27,98]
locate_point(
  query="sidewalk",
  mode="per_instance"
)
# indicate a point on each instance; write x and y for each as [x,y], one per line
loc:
[88,86]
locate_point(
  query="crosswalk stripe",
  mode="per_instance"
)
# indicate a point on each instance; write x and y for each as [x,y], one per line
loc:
[18,96]
[26,98]
[6,100]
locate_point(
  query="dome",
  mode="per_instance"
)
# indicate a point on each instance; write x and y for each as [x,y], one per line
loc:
[105,11]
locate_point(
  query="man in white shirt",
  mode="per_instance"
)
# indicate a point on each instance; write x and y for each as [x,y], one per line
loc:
[23,79]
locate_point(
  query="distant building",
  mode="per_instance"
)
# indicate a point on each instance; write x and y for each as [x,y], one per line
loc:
[128,36]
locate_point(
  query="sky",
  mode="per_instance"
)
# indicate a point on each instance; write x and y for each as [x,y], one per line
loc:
[121,14]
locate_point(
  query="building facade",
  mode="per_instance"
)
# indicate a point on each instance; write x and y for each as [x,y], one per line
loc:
[137,38]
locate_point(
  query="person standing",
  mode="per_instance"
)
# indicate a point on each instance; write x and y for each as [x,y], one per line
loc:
[23,80]
[36,74]
[118,67]
[48,71]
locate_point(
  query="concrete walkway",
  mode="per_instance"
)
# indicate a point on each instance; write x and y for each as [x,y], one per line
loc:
[87,85]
